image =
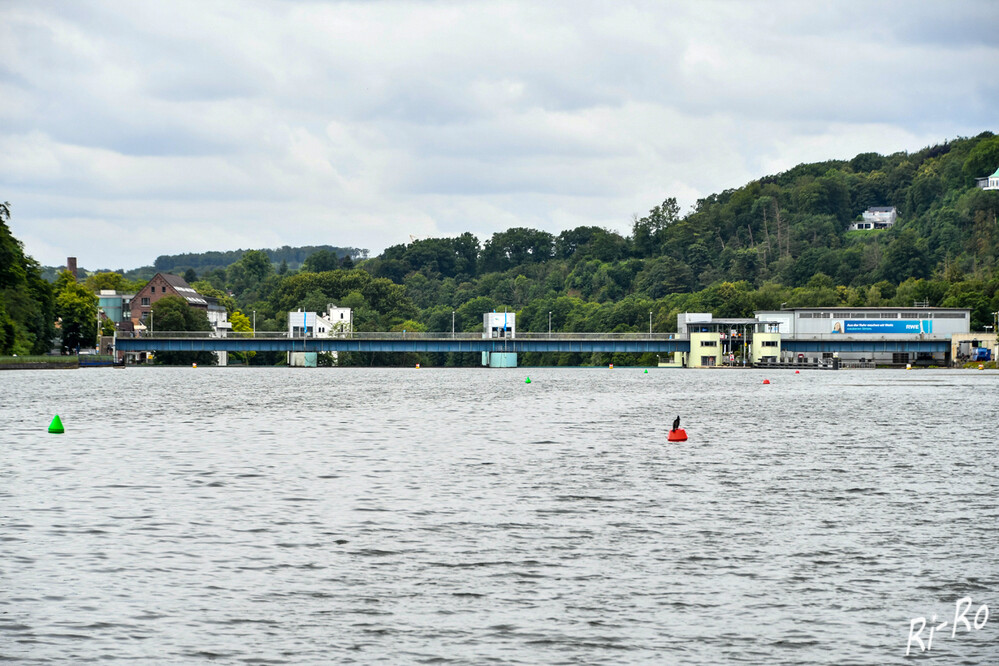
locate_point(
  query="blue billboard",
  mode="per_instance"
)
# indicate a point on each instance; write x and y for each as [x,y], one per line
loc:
[885,326]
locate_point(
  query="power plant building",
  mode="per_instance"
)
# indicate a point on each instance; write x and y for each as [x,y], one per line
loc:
[839,327]
[852,336]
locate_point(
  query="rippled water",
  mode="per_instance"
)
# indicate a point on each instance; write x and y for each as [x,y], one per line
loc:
[400,515]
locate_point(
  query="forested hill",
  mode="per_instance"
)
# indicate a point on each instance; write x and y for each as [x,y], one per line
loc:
[204,261]
[786,227]
[782,238]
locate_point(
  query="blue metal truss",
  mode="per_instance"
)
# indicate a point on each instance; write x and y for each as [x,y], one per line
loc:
[357,344]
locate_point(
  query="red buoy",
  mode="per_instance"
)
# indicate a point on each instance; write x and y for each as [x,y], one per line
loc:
[766,381]
[679,435]
[797,372]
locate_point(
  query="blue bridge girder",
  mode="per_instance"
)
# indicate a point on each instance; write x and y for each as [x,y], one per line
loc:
[639,343]
[585,343]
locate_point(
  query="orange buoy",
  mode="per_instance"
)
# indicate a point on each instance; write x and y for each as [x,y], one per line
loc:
[766,381]
[678,435]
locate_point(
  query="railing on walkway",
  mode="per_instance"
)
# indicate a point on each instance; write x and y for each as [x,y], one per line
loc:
[396,335]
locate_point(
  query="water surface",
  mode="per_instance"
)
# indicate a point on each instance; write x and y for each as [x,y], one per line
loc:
[298,516]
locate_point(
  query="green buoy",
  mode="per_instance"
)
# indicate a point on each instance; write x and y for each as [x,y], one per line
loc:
[56,426]
[527,381]
[646,371]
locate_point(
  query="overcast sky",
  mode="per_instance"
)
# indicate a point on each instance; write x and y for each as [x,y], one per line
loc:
[133,129]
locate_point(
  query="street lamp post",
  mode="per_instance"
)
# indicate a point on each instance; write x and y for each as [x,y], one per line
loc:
[99,313]
[150,321]
[452,323]
[549,323]
[254,323]
[650,324]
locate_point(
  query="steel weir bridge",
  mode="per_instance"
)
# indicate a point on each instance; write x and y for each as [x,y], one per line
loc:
[638,343]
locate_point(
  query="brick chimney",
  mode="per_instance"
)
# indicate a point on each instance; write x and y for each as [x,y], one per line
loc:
[71,265]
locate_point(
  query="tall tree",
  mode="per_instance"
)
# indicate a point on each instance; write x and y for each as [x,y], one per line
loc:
[172,313]
[76,307]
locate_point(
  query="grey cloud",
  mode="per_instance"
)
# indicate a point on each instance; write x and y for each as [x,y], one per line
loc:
[377,120]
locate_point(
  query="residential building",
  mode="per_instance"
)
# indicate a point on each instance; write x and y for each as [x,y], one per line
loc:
[988,182]
[160,286]
[876,217]
[166,284]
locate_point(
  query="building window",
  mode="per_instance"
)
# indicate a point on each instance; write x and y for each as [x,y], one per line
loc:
[164,289]
[770,343]
[708,343]
[145,301]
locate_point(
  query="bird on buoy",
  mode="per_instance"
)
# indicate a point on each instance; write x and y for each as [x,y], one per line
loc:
[677,435]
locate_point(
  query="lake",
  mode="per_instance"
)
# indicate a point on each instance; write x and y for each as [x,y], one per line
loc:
[306,516]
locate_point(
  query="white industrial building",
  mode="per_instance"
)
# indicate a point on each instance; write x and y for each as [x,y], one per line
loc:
[858,324]
[499,325]
[336,322]
[859,335]
[725,341]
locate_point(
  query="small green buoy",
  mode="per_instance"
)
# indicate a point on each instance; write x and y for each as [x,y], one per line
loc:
[56,425]
[646,371]
[527,381]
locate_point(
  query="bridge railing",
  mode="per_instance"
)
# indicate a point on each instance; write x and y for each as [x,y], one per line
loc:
[396,335]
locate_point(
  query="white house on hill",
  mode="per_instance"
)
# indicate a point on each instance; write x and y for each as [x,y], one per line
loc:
[876,217]
[989,182]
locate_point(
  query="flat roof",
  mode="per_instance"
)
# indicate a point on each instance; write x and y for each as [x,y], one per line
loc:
[881,308]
